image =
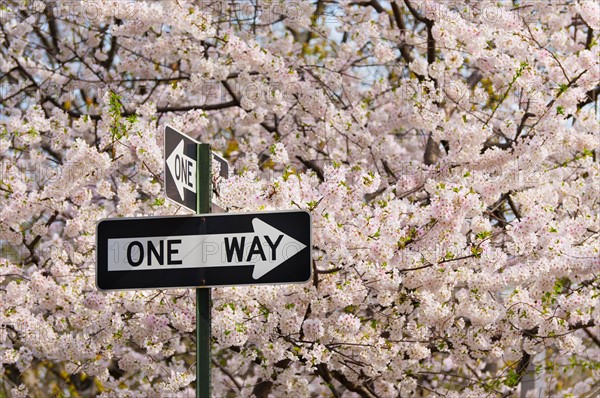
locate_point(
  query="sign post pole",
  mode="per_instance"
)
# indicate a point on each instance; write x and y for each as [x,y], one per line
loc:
[203,295]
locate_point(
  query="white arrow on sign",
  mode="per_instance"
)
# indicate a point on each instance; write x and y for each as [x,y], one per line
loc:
[265,248]
[183,170]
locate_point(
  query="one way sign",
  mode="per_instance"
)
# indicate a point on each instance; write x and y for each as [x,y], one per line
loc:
[181,154]
[204,250]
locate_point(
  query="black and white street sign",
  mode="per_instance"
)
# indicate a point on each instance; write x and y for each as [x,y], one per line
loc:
[181,155]
[203,250]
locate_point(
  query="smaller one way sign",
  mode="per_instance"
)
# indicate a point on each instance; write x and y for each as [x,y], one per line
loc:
[204,250]
[181,168]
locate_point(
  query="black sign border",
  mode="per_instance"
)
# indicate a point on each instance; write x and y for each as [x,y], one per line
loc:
[298,269]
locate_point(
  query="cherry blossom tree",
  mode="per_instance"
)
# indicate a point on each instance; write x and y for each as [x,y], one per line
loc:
[446,150]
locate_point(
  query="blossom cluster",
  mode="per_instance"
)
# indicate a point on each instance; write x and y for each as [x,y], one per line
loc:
[448,153]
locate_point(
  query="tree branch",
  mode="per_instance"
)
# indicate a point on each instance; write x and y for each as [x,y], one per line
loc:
[311,164]
[360,390]
[323,371]
[227,373]
[404,49]
[429,24]
[590,38]
[591,96]
[595,339]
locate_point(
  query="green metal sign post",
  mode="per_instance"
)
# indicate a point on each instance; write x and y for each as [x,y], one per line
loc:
[203,295]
